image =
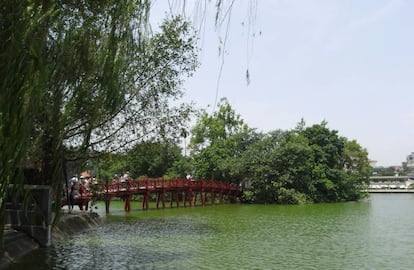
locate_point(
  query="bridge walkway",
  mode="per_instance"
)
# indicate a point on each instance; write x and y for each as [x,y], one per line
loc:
[176,190]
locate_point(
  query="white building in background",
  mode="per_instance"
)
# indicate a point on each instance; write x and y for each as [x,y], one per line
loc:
[410,160]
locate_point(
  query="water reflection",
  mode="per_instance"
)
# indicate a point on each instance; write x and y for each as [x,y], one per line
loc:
[364,235]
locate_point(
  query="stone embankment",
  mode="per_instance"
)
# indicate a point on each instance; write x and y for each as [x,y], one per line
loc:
[18,244]
[73,223]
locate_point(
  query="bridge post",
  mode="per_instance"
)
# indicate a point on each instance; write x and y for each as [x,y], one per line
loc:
[107,202]
[195,198]
[158,199]
[203,197]
[177,199]
[145,205]
[189,197]
[163,198]
[127,204]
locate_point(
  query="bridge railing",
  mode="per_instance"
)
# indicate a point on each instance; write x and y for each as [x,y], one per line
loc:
[153,184]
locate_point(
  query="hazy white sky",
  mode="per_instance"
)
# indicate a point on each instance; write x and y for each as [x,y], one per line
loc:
[348,62]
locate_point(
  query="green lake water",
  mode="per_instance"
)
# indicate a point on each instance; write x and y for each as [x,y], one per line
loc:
[377,233]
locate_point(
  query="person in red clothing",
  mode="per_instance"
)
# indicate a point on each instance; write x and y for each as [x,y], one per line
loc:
[83,192]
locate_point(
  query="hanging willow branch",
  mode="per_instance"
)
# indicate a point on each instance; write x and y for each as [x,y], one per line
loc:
[73,73]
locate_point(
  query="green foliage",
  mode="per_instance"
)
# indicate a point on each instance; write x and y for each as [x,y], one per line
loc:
[152,159]
[307,164]
[180,169]
[217,141]
[147,159]
[222,124]
[111,164]
[383,171]
[83,78]
[103,80]
[291,196]
[22,77]
[80,78]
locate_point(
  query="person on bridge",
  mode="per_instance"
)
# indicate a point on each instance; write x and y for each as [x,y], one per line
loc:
[84,192]
[125,177]
[85,182]
[124,180]
[73,191]
[115,182]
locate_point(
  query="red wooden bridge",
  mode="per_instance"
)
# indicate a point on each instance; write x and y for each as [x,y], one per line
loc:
[175,190]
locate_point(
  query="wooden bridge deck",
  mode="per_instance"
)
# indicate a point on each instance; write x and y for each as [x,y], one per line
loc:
[179,190]
[176,191]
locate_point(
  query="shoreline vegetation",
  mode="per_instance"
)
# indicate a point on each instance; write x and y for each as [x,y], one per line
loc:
[307,164]
[111,105]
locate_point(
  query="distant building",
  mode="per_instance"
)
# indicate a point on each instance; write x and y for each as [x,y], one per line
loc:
[397,170]
[410,160]
[390,182]
[373,163]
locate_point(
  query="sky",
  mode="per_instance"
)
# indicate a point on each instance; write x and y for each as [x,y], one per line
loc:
[347,62]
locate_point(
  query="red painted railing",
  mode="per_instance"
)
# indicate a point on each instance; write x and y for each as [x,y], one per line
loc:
[175,190]
[179,190]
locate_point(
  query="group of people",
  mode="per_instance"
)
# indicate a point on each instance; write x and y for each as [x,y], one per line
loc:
[121,182]
[77,188]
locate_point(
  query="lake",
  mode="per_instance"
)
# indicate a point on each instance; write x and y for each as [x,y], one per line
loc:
[377,233]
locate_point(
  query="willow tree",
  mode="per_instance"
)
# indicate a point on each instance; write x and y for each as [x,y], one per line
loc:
[22,75]
[81,77]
